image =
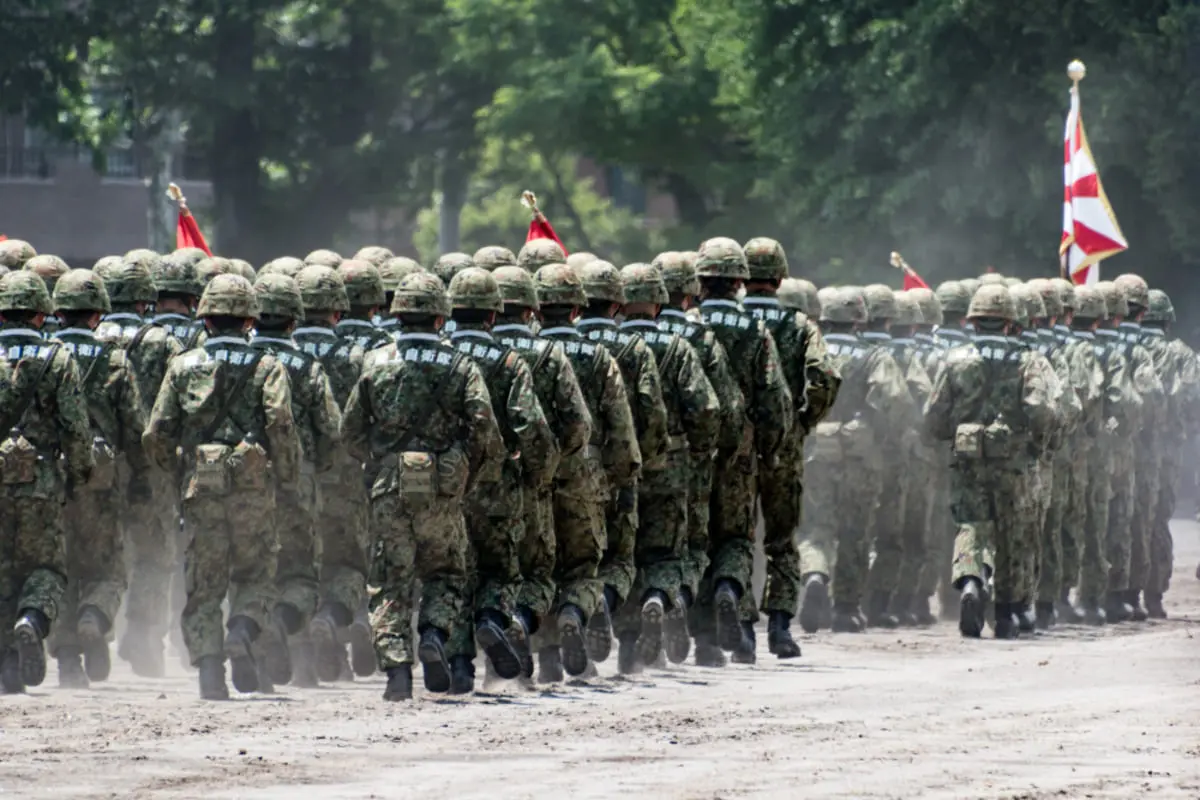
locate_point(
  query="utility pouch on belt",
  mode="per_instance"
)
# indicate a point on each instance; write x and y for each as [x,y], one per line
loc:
[104,469]
[968,440]
[18,460]
[828,440]
[417,478]
[210,476]
[858,441]
[998,441]
[248,466]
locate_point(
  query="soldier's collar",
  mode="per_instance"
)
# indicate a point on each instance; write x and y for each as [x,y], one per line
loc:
[640,323]
[169,316]
[876,336]
[1061,328]
[1158,332]
[1128,326]
[1084,335]
[718,302]
[272,340]
[1107,333]
[903,340]
[513,328]
[596,321]
[122,316]
[418,337]
[225,340]
[473,333]
[315,330]
[921,336]
[840,337]
[1028,334]
[85,332]
[355,323]
[560,330]
[760,301]
[951,333]
[388,322]
[983,337]
[20,332]
[673,312]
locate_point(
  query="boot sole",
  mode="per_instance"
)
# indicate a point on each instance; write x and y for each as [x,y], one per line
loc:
[434,669]
[814,610]
[362,650]
[677,640]
[599,637]
[571,644]
[650,640]
[325,656]
[243,670]
[970,616]
[31,656]
[729,625]
[499,649]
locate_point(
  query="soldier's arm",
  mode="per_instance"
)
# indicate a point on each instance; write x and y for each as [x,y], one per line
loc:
[622,457]
[772,402]
[1041,396]
[357,420]
[822,377]
[163,428]
[130,417]
[574,419]
[889,400]
[732,437]
[1122,401]
[539,450]
[702,409]
[75,434]
[938,422]
[325,420]
[485,444]
[653,410]
[283,441]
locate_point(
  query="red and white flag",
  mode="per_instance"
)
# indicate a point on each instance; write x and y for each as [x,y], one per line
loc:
[1090,230]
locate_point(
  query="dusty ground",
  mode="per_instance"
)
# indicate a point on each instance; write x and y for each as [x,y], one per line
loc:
[1113,713]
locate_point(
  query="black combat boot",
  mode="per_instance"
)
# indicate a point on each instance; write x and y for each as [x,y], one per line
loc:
[399,684]
[71,674]
[1154,606]
[30,631]
[922,612]
[650,639]
[628,660]
[1007,626]
[599,629]
[432,654]
[1134,601]
[1068,614]
[492,638]
[1025,619]
[519,631]
[10,673]
[1045,615]
[676,637]
[779,638]
[239,641]
[462,675]
[1116,608]
[571,639]
[212,678]
[747,650]
[729,623]
[276,655]
[708,653]
[815,611]
[92,628]
[1093,613]
[902,610]
[323,632]
[304,662]
[877,612]
[847,618]
[971,609]
[550,668]
[362,645]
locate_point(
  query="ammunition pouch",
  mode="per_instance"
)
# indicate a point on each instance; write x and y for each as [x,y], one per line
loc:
[249,466]
[210,473]
[104,469]
[973,440]
[845,441]
[18,460]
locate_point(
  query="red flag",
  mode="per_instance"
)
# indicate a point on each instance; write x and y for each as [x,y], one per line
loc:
[911,279]
[540,228]
[3,238]
[187,233]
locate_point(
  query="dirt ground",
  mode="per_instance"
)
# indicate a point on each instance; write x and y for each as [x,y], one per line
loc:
[1109,713]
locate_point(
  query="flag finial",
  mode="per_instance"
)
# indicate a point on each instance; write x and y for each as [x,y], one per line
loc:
[1076,71]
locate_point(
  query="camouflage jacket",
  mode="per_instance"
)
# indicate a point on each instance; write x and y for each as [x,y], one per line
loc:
[318,418]
[873,387]
[755,362]
[196,387]
[1144,380]
[556,386]
[149,348]
[389,325]
[693,410]
[1181,382]
[55,420]
[528,437]
[341,358]
[115,410]
[1085,376]
[188,332]
[393,409]
[1122,403]
[1070,407]
[734,433]
[1166,416]
[910,360]
[613,432]
[363,333]
[991,379]
[952,337]
[811,376]
[642,384]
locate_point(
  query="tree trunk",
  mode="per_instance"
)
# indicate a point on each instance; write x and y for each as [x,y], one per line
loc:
[456,176]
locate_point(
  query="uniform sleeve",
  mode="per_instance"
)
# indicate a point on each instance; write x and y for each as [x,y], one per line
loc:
[485,445]
[130,417]
[539,450]
[357,418]
[283,441]
[1041,395]
[1149,386]
[772,402]
[888,397]
[822,377]
[732,437]
[622,456]
[574,419]
[701,408]
[325,420]
[938,421]
[652,409]
[165,424]
[1122,403]
[74,432]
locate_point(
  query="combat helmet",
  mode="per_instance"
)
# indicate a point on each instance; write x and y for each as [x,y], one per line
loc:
[798,294]
[450,264]
[537,253]
[1066,293]
[129,282]
[374,254]
[392,271]
[81,290]
[577,261]
[191,255]
[765,259]
[1160,308]
[209,268]
[1137,291]
[993,301]
[1050,296]
[678,273]
[931,307]
[971,285]
[109,263]
[558,285]
[1011,282]
[228,295]
[50,268]
[475,288]
[15,252]
[1089,303]
[143,255]
[284,265]
[176,274]
[602,281]
[843,304]
[364,286]
[1034,305]
[24,291]
[992,279]
[908,311]
[1115,302]
[421,293]
[323,258]
[279,296]
[642,283]
[721,258]
[1020,295]
[240,266]
[954,297]
[322,289]
[881,302]
[516,287]
[494,256]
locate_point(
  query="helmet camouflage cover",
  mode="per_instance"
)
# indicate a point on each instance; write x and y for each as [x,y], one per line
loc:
[364,286]
[129,282]
[191,255]
[1088,303]
[881,302]
[954,297]
[516,287]
[279,296]
[284,265]
[24,291]
[537,253]
[642,283]
[240,266]
[799,294]
[176,273]
[322,289]
[577,261]
[49,267]
[81,290]
[993,279]
[721,258]
[324,258]
[494,256]
[1137,291]
[1115,302]
[557,284]
[844,304]
[678,272]
[766,259]
[209,268]
[450,264]
[392,271]
[475,288]
[1050,296]
[1160,308]
[992,300]
[143,255]
[15,252]
[908,312]
[421,293]
[374,254]
[228,295]
[931,307]
[602,281]
[1066,293]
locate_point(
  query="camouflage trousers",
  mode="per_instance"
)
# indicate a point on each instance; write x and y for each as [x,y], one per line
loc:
[992,506]
[345,535]
[298,567]
[695,557]
[1162,544]
[621,529]
[1119,539]
[96,573]
[495,527]
[33,560]
[886,534]
[1074,471]
[1091,536]
[942,530]
[840,506]
[1049,575]
[537,552]
[1145,501]
[152,553]
[781,495]
[232,552]
[918,531]
[731,537]
[427,545]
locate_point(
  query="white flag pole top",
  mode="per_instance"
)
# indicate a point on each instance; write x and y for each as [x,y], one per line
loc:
[1090,230]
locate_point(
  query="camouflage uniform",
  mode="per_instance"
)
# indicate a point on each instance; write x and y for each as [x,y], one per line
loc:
[373,254]
[49,269]
[990,399]
[14,253]
[537,253]
[96,577]
[176,273]
[47,451]
[421,419]
[365,292]
[391,272]
[495,514]
[445,268]
[323,258]
[227,408]
[493,257]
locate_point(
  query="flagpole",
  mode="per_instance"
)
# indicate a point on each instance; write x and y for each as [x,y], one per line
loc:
[1076,71]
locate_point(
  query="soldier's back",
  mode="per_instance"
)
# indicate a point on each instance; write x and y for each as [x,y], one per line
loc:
[341,359]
